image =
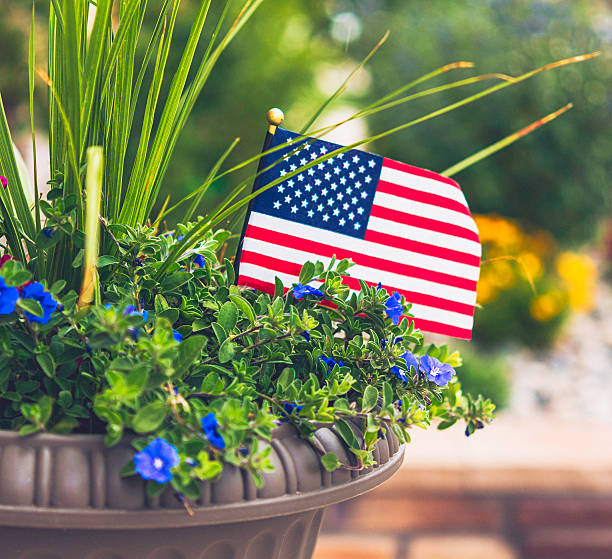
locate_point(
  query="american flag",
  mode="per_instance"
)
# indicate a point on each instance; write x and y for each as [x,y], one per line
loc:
[407,228]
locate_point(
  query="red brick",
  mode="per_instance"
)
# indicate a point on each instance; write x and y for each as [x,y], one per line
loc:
[423,513]
[355,546]
[571,512]
[569,544]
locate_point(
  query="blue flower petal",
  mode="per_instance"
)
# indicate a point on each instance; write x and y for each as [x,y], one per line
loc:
[156,460]
[210,426]
[8,297]
[436,371]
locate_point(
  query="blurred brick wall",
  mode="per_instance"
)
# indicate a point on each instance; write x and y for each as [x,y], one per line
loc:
[529,509]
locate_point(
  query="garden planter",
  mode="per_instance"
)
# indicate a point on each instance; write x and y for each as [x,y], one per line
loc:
[61,497]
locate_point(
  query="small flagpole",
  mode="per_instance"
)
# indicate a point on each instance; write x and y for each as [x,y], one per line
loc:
[274,117]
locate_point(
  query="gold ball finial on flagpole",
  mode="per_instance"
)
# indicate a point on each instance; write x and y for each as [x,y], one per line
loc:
[274,117]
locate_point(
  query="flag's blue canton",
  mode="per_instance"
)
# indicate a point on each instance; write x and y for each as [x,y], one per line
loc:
[335,194]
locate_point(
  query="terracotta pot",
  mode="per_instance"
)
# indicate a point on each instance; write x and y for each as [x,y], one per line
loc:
[61,497]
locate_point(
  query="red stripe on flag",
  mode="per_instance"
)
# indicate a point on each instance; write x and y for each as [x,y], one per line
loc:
[421,324]
[399,166]
[293,269]
[443,329]
[264,286]
[314,247]
[423,197]
[424,223]
[422,248]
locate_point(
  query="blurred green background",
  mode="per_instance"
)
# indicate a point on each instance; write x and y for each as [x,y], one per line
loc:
[554,184]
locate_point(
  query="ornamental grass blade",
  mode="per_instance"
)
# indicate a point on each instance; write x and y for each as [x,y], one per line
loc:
[14,196]
[93,186]
[31,65]
[93,64]
[504,142]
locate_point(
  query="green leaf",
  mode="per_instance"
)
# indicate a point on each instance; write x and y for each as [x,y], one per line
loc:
[17,278]
[47,364]
[210,382]
[150,417]
[32,306]
[227,350]
[370,398]
[229,270]
[279,288]
[346,433]
[154,489]
[286,377]
[106,260]
[244,306]
[175,280]
[228,316]
[330,461]
[171,315]
[220,332]
[387,394]
[189,350]
[306,273]
[160,303]
[29,430]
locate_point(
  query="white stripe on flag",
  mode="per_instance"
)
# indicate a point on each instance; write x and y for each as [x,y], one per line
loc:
[423,184]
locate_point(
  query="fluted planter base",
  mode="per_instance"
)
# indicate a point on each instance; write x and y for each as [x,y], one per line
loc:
[62,498]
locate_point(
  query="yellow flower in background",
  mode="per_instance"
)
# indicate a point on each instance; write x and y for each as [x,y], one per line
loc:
[579,275]
[546,306]
[498,231]
[485,292]
[533,264]
[502,274]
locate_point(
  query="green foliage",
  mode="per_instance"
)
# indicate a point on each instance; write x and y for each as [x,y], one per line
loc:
[244,357]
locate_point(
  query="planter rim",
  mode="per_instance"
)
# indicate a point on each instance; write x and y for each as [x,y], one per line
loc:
[216,514]
[320,489]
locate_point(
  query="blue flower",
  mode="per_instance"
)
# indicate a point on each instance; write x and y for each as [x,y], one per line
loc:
[132,310]
[8,297]
[48,232]
[330,362]
[199,261]
[436,371]
[177,336]
[379,286]
[210,426]
[290,407]
[36,291]
[300,290]
[156,460]
[306,335]
[394,307]
[411,361]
